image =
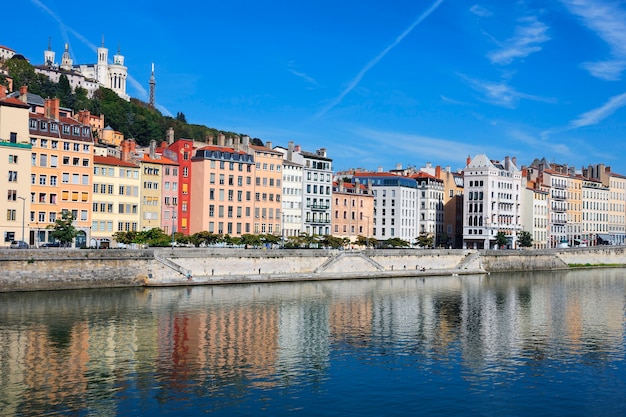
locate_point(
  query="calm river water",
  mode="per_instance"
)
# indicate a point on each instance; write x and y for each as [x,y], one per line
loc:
[534,344]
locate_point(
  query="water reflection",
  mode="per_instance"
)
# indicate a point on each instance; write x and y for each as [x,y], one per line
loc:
[128,352]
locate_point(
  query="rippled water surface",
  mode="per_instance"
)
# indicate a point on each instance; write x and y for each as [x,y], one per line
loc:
[536,344]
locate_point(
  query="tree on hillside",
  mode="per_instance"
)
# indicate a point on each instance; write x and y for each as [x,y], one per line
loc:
[180,116]
[63,229]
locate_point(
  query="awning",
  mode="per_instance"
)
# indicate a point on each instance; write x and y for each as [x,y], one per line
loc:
[606,238]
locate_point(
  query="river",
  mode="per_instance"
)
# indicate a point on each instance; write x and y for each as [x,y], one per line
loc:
[523,344]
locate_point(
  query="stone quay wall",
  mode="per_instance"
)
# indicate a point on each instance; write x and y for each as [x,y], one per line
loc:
[53,269]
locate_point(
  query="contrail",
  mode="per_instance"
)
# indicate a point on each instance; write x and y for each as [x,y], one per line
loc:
[377,59]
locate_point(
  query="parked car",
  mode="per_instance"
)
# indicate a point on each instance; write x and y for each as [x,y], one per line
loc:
[18,244]
[51,245]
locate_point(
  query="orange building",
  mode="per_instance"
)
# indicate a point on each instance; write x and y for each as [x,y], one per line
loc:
[61,175]
[267,189]
[353,210]
[222,189]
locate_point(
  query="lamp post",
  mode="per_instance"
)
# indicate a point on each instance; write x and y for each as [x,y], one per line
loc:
[23,214]
[367,232]
[173,224]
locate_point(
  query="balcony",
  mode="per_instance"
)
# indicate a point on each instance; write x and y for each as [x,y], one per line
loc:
[319,207]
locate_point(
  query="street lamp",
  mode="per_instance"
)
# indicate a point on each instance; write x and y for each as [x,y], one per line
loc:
[367,232]
[173,223]
[23,214]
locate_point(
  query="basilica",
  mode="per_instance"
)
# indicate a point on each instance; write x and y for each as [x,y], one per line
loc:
[88,76]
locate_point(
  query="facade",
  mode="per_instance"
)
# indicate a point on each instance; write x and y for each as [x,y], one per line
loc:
[316,191]
[151,205]
[595,214]
[292,198]
[15,170]
[222,188]
[430,206]
[169,196]
[491,202]
[616,184]
[395,205]
[115,207]
[535,214]
[6,53]
[353,210]
[181,152]
[452,235]
[267,189]
[61,173]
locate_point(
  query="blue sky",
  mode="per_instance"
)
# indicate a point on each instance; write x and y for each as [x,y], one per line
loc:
[376,83]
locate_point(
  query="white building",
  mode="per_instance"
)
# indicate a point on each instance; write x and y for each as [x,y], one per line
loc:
[491,202]
[292,198]
[395,205]
[535,215]
[430,205]
[88,76]
[595,213]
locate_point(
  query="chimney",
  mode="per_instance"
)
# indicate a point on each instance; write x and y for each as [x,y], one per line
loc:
[229,142]
[380,169]
[321,152]
[24,94]
[51,108]
[297,148]
[507,163]
[398,166]
[468,160]
[170,135]
[245,144]
[268,144]
[290,150]
[514,160]
[437,172]
[152,149]
[236,145]
[3,92]
[221,140]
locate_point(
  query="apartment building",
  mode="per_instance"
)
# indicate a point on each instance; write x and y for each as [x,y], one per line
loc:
[395,205]
[267,188]
[181,152]
[595,213]
[535,213]
[116,193]
[15,151]
[151,203]
[222,188]
[616,184]
[430,192]
[353,209]
[452,235]
[292,198]
[61,172]
[491,202]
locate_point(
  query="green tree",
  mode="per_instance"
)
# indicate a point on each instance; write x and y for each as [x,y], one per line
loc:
[125,238]
[63,230]
[332,241]
[365,241]
[396,242]
[425,240]
[525,239]
[501,240]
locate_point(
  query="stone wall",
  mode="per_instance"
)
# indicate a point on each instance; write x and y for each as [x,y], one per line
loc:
[52,269]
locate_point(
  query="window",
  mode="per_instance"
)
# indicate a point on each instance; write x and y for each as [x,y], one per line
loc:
[12,176]
[12,195]
[11,214]
[12,159]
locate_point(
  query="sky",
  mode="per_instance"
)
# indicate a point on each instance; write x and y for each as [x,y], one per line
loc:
[375,83]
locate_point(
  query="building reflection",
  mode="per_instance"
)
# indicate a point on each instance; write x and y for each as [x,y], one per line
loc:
[72,352]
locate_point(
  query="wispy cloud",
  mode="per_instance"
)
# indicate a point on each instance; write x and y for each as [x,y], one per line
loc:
[529,35]
[596,115]
[501,94]
[305,77]
[608,21]
[480,11]
[377,59]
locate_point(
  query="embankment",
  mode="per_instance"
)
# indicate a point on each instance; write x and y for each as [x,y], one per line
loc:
[53,269]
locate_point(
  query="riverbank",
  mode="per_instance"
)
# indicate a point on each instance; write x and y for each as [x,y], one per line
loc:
[55,269]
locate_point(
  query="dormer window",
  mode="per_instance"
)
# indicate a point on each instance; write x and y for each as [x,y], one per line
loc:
[43,126]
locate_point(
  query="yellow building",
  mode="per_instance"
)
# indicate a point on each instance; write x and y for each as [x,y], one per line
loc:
[61,171]
[115,208]
[15,169]
[151,175]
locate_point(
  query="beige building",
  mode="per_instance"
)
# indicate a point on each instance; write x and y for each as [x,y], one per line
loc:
[15,150]
[353,210]
[116,185]
[151,177]
[267,189]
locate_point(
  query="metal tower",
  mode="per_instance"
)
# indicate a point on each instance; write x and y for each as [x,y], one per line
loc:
[152,86]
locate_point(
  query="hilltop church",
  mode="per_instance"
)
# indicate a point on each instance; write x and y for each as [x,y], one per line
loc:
[88,76]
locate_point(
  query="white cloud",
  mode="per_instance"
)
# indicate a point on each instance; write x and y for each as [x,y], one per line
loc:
[596,115]
[501,94]
[608,21]
[529,35]
[480,11]
[377,59]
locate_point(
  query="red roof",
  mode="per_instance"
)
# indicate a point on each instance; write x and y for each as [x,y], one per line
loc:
[109,160]
[221,149]
[14,102]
